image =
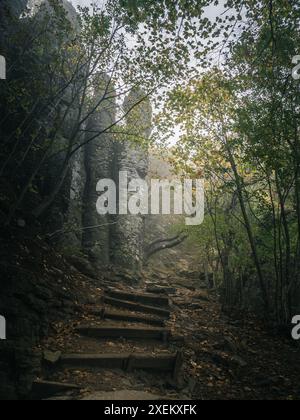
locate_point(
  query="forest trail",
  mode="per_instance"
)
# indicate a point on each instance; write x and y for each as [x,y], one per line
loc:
[115,352]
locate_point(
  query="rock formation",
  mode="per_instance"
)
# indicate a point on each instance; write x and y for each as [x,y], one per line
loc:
[98,164]
[104,240]
[132,158]
[72,221]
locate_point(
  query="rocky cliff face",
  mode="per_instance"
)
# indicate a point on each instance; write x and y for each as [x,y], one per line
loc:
[72,220]
[98,164]
[109,239]
[104,240]
[129,231]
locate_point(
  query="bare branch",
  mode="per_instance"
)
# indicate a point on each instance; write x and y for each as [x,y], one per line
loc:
[163,244]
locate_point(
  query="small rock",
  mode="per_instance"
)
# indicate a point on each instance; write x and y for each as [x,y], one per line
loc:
[52,357]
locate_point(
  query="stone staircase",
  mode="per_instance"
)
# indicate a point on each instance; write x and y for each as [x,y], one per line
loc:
[127,321]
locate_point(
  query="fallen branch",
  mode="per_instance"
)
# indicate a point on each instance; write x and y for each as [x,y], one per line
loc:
[162,244]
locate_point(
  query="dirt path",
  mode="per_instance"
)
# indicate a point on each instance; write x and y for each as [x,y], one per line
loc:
[223,358]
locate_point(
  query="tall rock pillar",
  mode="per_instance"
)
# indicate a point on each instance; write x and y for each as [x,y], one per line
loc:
[132,157]
[99,157]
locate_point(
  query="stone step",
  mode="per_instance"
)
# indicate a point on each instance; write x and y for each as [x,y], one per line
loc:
[123,395]
[161,290]
[47,389]
[126,317]
[144,298]
[128,362]
[125,332]
[136,307]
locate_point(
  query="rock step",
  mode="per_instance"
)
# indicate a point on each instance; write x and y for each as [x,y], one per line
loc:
[144,298]
[126,317]
[136,307]
[125,332]
[161,290]
[128,362]
[124,395]
[46,389]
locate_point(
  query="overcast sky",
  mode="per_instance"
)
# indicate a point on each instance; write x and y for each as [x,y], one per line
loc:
[86,2]
[211,12]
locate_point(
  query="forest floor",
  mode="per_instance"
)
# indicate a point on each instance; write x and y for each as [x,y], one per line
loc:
[225,357]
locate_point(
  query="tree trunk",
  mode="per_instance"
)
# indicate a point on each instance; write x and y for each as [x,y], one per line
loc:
[248,228]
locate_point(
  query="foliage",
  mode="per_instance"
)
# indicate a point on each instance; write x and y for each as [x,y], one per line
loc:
[224,82]
[239,126]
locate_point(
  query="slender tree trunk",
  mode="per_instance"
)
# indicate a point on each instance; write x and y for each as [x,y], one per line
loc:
[239,185]
[286,285]
[275,249]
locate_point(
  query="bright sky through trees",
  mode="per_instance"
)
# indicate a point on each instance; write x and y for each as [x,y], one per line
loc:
[211,12]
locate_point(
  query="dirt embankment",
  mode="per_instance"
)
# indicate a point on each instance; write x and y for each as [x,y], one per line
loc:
[38,288]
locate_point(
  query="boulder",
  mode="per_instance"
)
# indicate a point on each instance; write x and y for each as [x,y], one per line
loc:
[51,357]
